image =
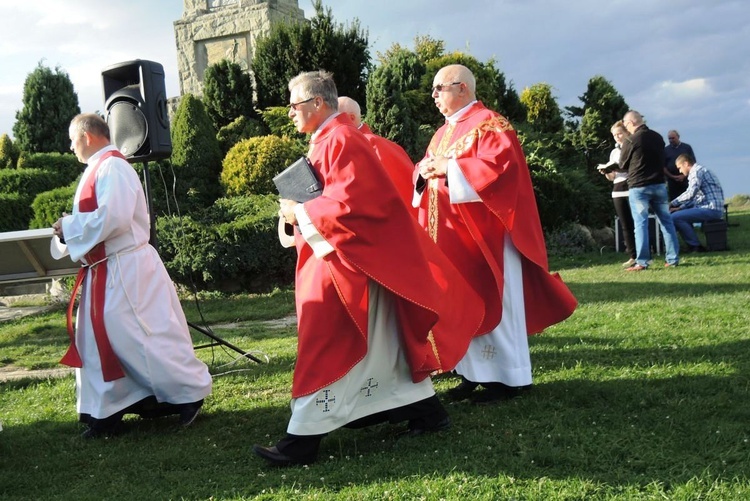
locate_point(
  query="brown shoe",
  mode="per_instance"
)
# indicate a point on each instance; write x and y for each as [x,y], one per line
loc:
[637,267]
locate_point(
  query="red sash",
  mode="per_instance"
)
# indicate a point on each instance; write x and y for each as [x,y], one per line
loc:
[97,265]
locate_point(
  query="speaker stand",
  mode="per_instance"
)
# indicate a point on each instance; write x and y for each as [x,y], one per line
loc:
[154,243]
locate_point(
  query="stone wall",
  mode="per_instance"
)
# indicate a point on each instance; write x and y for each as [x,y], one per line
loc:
[212,30]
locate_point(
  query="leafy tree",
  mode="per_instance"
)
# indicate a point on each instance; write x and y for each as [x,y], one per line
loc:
[227,93]
[49,104]
[590,124]
[542,111]
[290,49]
[196,157]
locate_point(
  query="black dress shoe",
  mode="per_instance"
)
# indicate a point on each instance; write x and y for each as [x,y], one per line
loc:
[188,412]
[496,392]
[277,458]
[462,391]
[417,429]
[98,431]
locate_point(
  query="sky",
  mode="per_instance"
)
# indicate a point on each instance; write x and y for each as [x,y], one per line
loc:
[684,64]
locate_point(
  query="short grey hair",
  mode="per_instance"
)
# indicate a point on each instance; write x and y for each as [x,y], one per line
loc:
[91,123]
[317,84]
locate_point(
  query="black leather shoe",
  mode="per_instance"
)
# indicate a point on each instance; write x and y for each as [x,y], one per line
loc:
[93,432]
[416,430]
[188,412]
[277,458]
[462,391]
[496,392]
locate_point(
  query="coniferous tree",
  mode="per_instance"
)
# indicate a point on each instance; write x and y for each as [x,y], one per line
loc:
[391,112]
[227,93]
[290,49]
[49,104]
[8,153]
[589,125]
[196,156]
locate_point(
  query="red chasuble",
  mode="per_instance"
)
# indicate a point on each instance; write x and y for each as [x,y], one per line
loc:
[375,238]
[396,162]
[487,151]
[96,269]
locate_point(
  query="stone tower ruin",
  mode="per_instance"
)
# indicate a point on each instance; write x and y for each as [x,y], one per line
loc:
[212,30]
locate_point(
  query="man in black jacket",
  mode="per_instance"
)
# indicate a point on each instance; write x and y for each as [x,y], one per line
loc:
[643,157]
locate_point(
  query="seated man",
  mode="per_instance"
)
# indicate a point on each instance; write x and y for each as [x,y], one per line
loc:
[702,201]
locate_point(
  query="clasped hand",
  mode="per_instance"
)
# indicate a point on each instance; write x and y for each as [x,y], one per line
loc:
[433,167]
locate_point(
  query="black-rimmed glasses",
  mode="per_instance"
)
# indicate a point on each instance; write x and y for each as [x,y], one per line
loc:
[293,106]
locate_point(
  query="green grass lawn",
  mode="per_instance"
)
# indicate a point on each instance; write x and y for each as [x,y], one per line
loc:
[644,393]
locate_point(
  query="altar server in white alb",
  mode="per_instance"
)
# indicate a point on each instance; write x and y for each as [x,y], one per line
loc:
[131,346]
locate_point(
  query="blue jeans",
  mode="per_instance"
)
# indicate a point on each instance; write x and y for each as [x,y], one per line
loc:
[654,197]
[684,219]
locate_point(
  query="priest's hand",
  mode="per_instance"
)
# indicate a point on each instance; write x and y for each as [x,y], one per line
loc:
[57,227]
[286,212]
[433,167]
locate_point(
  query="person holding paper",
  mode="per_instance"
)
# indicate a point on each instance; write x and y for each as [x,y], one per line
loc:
[620,199]
[131,346]
[475,198]
[379,308]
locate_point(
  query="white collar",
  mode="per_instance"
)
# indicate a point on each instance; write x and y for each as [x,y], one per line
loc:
[454,118]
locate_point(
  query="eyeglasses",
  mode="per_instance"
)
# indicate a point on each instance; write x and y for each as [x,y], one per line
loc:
[442,87]
[293,106]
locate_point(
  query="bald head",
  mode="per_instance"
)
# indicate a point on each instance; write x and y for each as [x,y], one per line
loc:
[453,88]
[351,108]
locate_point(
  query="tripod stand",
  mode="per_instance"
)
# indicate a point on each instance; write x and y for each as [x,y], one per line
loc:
[217,341]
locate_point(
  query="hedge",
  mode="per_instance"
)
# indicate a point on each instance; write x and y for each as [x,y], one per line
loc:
[230,246]
[47,207]
[15,212]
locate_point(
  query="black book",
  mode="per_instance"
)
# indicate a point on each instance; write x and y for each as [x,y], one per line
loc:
[298,182]
[608,167]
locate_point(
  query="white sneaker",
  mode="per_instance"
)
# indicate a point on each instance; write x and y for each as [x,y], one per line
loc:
[627,264]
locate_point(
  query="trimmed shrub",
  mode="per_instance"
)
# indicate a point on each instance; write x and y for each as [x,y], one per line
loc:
[65,165]
[230,246]
[250,165]
[15,212]
[196,157]
[241,128]
[277,120]
[29,182]
[47,207]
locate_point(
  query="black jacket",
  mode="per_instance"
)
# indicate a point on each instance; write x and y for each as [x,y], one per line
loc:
[643,157]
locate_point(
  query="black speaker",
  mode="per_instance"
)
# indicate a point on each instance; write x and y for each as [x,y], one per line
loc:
[135,104]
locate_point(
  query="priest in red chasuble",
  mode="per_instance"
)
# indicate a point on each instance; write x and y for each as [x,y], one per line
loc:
[380,308]
[392,156]
[476,201]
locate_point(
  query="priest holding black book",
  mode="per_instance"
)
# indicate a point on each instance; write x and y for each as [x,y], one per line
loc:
[380,308]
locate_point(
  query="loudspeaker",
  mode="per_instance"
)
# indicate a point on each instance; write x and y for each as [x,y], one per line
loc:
[135,103]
